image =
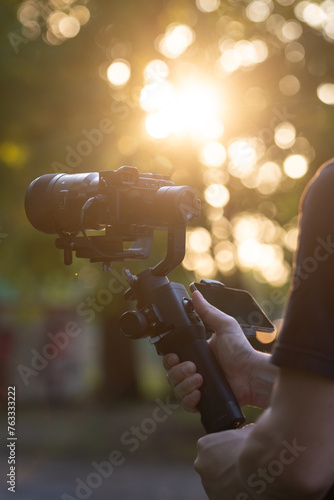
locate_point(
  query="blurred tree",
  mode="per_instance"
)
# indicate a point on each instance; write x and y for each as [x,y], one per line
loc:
[234,104]
[233,98]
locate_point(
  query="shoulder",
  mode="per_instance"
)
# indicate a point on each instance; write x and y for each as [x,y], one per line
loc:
[317,203]
[322,183]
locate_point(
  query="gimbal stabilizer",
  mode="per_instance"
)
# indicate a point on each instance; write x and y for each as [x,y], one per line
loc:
[128,205]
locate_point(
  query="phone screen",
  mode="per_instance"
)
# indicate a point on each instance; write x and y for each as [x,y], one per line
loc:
[237,303]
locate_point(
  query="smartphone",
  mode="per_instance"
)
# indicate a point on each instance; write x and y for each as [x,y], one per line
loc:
[237,303]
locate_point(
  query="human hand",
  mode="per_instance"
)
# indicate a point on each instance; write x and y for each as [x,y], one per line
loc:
[216,463]
[232,350]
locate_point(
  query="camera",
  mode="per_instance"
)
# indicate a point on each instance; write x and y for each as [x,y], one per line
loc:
[125,204]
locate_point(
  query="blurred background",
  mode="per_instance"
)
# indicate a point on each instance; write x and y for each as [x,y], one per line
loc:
[233,98]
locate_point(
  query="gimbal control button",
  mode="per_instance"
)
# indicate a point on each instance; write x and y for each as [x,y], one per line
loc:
[133,325]
[189,307]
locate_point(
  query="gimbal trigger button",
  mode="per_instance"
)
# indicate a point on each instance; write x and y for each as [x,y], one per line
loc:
[188,304]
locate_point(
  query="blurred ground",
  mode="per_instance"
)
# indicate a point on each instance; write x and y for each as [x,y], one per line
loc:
[134,481]
[64,454]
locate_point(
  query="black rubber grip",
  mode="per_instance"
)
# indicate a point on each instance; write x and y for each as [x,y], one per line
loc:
[218,406]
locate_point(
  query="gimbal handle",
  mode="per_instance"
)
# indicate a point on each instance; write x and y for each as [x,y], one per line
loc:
[218,406]
[165,313]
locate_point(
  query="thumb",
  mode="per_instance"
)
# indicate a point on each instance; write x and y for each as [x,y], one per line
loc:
[218,320]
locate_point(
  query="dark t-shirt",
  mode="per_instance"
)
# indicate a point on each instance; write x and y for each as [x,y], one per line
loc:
[306,340]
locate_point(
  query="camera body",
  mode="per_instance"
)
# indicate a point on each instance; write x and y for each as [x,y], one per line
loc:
[127,205]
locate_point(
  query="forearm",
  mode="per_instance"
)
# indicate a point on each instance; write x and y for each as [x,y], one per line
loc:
[289,453]
[264,375]
[254,462]
[270,465]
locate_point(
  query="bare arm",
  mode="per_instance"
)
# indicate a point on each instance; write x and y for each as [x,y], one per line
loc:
[287,454]
[290,451]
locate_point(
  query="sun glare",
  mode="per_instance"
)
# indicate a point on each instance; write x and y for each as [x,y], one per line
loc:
[191,99]
[192,109]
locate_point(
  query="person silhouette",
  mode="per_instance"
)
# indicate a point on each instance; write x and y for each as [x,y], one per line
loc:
[289,451]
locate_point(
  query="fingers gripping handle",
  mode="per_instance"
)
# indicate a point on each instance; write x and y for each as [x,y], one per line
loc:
[218,406]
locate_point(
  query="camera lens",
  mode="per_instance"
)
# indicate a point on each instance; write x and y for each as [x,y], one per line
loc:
[38,203]
[54,202]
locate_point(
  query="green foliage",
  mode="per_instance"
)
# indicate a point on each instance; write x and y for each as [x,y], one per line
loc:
[54,89]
